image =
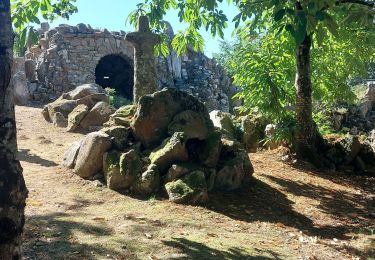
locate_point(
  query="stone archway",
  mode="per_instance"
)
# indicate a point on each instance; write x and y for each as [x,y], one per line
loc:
[117,72]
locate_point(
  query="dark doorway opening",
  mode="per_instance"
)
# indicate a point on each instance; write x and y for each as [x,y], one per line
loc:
[116,72]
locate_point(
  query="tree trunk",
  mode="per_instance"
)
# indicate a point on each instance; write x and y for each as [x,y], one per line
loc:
[13,191]
[305,132]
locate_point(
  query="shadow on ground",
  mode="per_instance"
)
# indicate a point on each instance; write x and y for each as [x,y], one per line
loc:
[360,181]
[52,237]
[261,202]
[26,156]
[195,250]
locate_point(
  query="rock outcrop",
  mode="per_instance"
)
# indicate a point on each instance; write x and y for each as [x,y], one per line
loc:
[167,142]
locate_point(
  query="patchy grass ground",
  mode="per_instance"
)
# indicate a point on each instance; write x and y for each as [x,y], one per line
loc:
[286,213]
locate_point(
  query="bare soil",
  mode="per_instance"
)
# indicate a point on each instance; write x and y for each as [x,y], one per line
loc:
[287,212]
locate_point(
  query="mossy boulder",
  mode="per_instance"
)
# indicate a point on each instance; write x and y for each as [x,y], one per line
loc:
[177,171]
[131,167]
[122,117]
[211,149]
[170,152]
[155,113]
[111,170]
[191,189]
[167,139]
[148,182]
[192,124]
[120,135]
[126,111]
[235,169]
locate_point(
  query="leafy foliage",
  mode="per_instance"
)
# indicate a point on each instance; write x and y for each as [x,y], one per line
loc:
[26,13]
[196,14]
[115,100]
[265,69]
[299,18]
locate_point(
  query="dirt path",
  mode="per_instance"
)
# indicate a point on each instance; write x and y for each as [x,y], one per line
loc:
[286,213]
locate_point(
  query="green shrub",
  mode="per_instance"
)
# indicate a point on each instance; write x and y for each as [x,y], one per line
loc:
[115,100]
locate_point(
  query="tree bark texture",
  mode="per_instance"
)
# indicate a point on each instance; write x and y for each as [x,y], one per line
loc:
[13,191]
[305,132]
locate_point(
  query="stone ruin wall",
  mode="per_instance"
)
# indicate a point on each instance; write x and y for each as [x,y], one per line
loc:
[67,56]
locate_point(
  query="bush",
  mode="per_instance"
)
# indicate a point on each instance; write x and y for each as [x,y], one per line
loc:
[116,101]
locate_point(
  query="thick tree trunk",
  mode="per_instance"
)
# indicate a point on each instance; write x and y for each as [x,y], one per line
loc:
[13,191]
[305,132]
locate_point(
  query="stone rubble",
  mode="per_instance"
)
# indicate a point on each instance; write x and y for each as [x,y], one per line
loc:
[84,108]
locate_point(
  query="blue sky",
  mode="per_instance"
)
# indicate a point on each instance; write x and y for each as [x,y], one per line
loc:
[111,14]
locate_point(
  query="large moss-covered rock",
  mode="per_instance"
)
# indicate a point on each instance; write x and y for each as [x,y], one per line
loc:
[210,153]
[171,151]
[76,116]
[155,112]
[120,135]
[148,182]
[192,124]
[177,171]
[234,170]
[122,117]
[90,156]
[111,170]
[131,166]
[191,189]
